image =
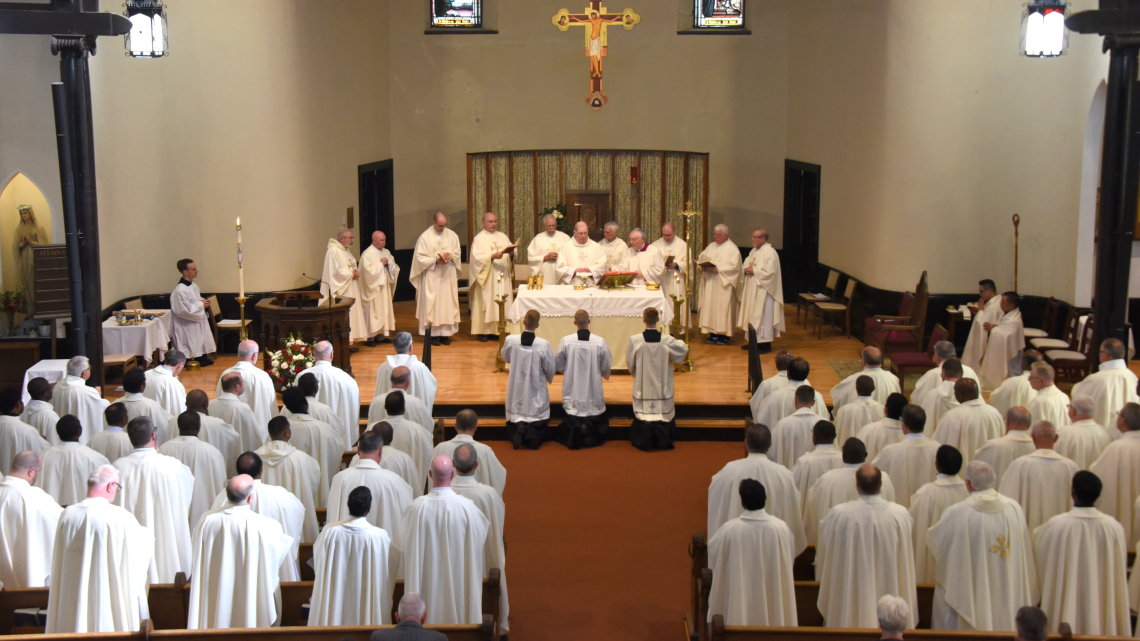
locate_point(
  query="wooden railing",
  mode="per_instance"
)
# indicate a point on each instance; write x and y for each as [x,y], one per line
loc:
[147,632]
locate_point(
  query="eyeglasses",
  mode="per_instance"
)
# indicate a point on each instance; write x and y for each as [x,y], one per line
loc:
[118,486]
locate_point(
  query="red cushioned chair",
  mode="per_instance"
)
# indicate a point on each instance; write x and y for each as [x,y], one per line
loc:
[903,363]
[905,337]
[874,323]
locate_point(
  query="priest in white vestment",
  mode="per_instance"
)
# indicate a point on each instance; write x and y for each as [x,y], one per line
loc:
[415,409]
[204,460]
[821,460]
[614,247]
[783,502]
[643,258]
[792,435]
[1005,343]
[1015,443]
[15,436]
[774,382]
[443,535]
[1110,387]
[983,559]
[751,560]
[969,425]
[837,487]
[234,580]
[321,412]
[1040,482]
[1050,404]
[394,460]
[422,384]
[232,410]
[581,261]
[490,471]
[113,442]
[864,410]
[28,518]
[353,568]
[163,386]
[986,310]
[1016,391]
[67,466]
[584,359]
[341,276]
[528,398]
[407,436]
[291,468]
[864,551]
[38,412]
[542,252]
[886,383]
[211,430]
[315,438]
[910,462]
[1082,441]
[650,357]
[675,279]
[944,351]
[761,292]
[73,396]
[190,315]
[467,462]
[257,389]
[338,390]
[1082,560]
[720,274]
[435,275]
[137,404]
[885,431]
[941,399]
[390,492]
[378,275]
[99,564]
[1119,469]
[781,402]
[491,277]
[298,521]
[928,504]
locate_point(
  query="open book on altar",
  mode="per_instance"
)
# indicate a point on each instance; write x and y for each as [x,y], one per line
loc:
[616,280]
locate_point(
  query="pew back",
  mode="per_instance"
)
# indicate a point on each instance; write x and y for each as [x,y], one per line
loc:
[481,632]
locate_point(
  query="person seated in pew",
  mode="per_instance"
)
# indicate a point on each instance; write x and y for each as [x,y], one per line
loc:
[28,519]
[893,614]
[489,471]
[856,414]
[113,441]
[67,465]
[765,595]
[410,618]
[467,463]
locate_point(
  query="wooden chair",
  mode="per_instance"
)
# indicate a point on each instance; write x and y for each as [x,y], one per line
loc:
[122,362]
[465,289]
[905,334]
[521,273]
[875,323]
[222,325]
[1075,365]
[807,299]
[134,303]
[903,363]
[1069,339]
[1048,322]
[835,307]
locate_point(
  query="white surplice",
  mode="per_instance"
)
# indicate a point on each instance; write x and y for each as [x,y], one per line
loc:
[615,252]
[206,464]
[164,388]
[422,383]
[926,508]
[279,504]
[782,403]
[258,393]
[792,437]
[320,441]
[583,363]
[670,283]
[99,570]
[191,321]
[402,465]
[158,490]
[219,434]
[541,245]
[774,382]
[490,471]
[854,416]
[15,437]
[339,391]
[762,294]
[1110,387]
[936,403]
[1050,404]
[933,378]
[910,462]
[751,560]
[318,411]
[784,500]
[718,290]
[437,286]
[113,443]
[1041,483]
[391,495]
[878,435]
[286,466]
[73,396]
[813,465]
[1081,442]
[1002,451]
[532,369]
[489,279]
[968,427]
[41,415]
[139,405]
[415,410]
[443,535]
[414,441]
[978,337]
[648,263]
[833,488]
[235,412]
[983,563]
[65,470]
[1082,559]
[377,289]
[886,384]
[1014,391]
[1119,470]
[1003,348]
[573,256]
[652,367]
[354,575]
[490,503]
[864,552]
[28,518]
[235,572]
[336,276]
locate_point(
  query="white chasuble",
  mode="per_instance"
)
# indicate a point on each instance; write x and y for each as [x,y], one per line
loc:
[936,403]
[217,433]
[983,563]
[1082,559]
[792,437]
[113,443]
[864,552]
[1119,469]
[1110,387]
[615,252]
[414,410]
[1050,404]
[718,290]
[813,465]
[853,417]
[910,463]
[490,279]
[15,437]
[28,518]
[976,341]
[926,508]
[164,388]
[73,396]
[886,384]
[337,277]
[541,245]
[652,367]
[191,321]
[648,263]
[490,471]
[234,580]
[234,411]
[288,467]
[206,464]
[354,575]
[99,570]
[437,286]
[41,415]
[1041,483]
[422,383]
[413,441]
[532,369]
[490,503]
[339,391]
[881,433]
[574,256]
[279,504]
[443,535]
[784,500]
[751,559]
[833,488]
[1081,442]
[65,470]
[258,393]
[1014,391]
[675,279]
[379,286]
[769,385]
[139,405]
[320,441]
[399,462]
[391,495]
[762,294]
[968,427]
[322,413]
[1002,451]
[158,490]
[782,403]
[584,360]
[929,381]
[1003,348]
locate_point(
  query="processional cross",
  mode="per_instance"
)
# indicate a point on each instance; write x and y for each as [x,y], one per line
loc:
[596,20]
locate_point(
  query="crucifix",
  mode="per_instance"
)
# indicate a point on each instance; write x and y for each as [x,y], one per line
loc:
[596,20]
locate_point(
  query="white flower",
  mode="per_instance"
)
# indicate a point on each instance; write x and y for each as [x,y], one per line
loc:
[308,365]
[275,363]
[285,366]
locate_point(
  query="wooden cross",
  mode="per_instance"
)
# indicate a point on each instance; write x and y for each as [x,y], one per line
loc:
[596,20]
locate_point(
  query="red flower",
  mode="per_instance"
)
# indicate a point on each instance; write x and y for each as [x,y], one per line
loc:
[299,368]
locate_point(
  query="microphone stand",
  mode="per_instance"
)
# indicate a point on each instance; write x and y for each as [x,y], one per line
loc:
[329,334]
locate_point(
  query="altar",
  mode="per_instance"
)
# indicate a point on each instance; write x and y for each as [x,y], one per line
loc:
[615,315]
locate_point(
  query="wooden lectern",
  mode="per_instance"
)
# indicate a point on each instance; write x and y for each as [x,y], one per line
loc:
[311,324]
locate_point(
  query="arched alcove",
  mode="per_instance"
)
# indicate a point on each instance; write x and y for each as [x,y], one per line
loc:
[18,191]
[1090,185]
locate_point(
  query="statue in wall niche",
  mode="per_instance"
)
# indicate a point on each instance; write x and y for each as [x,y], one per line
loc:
[28,233]
[596,19]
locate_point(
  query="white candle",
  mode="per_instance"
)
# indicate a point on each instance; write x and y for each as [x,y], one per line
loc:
[241,272]
[499,286]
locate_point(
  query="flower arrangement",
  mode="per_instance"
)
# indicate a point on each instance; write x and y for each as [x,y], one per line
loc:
[287,364]
[11,302]
[559,211]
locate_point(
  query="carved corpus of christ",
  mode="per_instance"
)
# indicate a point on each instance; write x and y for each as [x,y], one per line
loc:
[595,20]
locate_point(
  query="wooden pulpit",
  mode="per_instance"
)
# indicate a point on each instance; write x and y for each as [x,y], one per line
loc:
[311,324]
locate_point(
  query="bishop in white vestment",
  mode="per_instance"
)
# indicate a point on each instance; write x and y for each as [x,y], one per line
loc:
[792,435]
[1050,404]
[73,396]
[885,431]
[113,442]
[390,492]
[910,462]
[1016,391]
[528,398]
[257,389]
[467,462]
[291,468]
[435,275]
[821,460]
[204,460]
[490,471]
[1005,343]
[378,274]
[720,275]
[67,466]
[1040,481]
[928,504]
[761,292]
[422,383]
[675,280]
[1119,469]
[1082,441]
[542,252]
[15,436]
[643,258]
[886,383]
[28,518]
[232,410]
[781,402]
[341,276]
[943,351]
[581,260]
[338,390]
[650,357]
[1111,386]
[491,277]
[614,247]
[1015,443]
[38,412]
[163,386]
[190,314]
[837,487]
[584,359]
[969,425]
[988,311]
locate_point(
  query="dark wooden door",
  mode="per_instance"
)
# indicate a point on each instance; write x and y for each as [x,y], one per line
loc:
[800,254]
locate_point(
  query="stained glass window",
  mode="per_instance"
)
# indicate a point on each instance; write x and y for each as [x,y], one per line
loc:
[457,13]
[718,14]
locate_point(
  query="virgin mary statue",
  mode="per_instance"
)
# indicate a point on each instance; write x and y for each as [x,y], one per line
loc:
[28,233]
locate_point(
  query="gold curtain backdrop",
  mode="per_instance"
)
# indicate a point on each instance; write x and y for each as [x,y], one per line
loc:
[518,185]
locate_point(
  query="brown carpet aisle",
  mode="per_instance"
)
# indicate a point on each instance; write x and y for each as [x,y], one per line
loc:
[597,539]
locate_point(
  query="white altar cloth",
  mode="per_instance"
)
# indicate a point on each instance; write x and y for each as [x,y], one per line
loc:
[140,340]
[51,369]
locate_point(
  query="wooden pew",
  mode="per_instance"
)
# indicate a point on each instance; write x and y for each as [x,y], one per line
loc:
[721,632]
[480,632]
[12,600]
[304,554]
[170,604]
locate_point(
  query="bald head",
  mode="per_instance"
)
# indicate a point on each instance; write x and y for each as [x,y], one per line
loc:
[197,400]
[872,357]
[379,240]
[1044,435]
[401,377]
[442,471]
[239,490]
[247,351]
[868,480]
[26,465]
[466,459]
[323,351]
[232,383]
[1017,418]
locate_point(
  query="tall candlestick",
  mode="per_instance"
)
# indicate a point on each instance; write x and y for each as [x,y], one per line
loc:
[241,272]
